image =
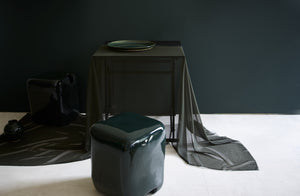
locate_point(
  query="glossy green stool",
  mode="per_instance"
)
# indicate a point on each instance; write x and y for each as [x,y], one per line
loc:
[127,153]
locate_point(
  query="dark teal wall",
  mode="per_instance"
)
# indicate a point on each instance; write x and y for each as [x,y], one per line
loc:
[243,56]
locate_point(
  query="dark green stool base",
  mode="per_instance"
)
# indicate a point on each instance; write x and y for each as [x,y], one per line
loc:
[127,153]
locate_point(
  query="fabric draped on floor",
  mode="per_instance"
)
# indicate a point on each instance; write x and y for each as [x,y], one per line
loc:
[44,145]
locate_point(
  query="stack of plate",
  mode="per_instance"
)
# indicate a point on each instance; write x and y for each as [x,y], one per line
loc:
[131,45]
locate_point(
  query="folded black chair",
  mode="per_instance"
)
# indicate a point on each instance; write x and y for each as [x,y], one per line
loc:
[53,132]
[53,98]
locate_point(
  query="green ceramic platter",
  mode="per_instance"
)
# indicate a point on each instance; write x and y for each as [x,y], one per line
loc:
[131,45]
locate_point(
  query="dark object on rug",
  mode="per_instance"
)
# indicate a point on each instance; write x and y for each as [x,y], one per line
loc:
[127,153]
[53,98]
[13,130]
[44,144]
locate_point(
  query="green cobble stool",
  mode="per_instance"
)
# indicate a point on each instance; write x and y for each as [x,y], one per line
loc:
[127,155]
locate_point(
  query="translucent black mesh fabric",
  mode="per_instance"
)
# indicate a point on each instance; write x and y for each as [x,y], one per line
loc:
[44,144]
[195,144]
[54,129]
[198,146]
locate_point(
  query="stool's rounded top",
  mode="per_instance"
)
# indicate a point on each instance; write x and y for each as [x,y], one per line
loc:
[127,129]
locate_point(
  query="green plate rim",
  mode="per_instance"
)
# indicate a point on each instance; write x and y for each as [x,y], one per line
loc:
[114,45]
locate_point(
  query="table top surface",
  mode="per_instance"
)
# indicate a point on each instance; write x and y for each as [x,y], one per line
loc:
[157,51]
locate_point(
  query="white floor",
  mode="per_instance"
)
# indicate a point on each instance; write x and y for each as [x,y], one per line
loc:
[273,140]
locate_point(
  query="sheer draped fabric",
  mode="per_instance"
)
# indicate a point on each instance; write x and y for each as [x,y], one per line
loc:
[45,145]
[197,145]
[194,143]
